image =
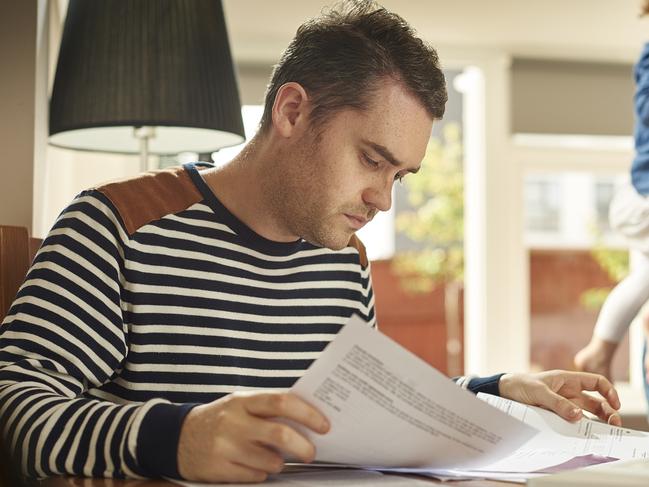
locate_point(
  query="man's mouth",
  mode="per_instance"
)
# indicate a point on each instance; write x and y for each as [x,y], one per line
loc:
[356,221]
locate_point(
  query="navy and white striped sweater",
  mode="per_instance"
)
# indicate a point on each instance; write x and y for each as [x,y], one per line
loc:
[147,297]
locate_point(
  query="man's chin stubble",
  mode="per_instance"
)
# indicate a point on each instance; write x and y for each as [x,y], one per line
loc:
[329,241]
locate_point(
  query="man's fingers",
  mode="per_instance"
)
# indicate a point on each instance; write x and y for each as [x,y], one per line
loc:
[260,458]
[287,406]
[599,383]
[565,408]
[608,392]
[615,419]
[600,408]
[283,438]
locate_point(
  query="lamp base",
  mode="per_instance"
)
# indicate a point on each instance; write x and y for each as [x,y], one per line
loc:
[144,134]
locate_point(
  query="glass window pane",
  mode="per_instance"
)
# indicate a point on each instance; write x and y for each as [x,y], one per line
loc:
[542,202]
[566,219]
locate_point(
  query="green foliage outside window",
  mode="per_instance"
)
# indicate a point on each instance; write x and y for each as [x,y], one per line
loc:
[436,221]
[616,265]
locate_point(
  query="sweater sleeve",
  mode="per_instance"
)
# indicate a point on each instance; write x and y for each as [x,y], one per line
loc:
[642,86]
[488,385]
[63,335]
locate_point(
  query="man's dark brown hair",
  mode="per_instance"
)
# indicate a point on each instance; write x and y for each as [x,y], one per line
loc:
[341,57]
[645,8]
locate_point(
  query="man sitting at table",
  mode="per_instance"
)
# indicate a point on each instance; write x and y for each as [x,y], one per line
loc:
[165,316]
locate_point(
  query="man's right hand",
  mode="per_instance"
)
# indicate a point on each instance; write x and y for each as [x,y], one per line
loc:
[236,439]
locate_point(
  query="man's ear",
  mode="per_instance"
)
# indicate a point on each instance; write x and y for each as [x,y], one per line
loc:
[290,109]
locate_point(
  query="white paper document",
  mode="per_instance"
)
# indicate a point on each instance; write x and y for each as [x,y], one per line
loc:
[561,445]
[630,473]
[389,408]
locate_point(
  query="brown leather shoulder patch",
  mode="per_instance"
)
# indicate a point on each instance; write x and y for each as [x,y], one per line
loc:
[358,245]
[150,196]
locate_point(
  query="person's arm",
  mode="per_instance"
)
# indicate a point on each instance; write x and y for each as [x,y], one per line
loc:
[618,311]
[63,335]
[559,391]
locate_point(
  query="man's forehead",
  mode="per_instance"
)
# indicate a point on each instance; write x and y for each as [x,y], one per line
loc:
[398,121]
[401,144]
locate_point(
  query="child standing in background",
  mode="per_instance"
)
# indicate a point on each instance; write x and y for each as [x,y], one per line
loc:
[629,215]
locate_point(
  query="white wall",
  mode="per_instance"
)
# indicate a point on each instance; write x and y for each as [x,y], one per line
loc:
[67,173]
[596,30]
[18,123]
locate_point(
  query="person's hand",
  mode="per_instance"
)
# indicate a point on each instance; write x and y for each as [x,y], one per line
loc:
[596,357]
[235,438]
[564,393]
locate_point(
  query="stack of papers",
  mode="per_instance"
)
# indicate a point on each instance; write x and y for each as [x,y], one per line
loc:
[388,408]
[391,411]
[634,473]
[560,445]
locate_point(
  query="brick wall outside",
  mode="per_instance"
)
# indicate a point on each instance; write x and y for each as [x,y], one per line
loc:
[416,321]
[559,324]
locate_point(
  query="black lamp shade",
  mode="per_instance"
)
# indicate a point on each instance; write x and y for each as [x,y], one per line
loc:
[132,63]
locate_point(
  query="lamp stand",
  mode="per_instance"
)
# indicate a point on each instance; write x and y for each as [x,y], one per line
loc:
[144,134]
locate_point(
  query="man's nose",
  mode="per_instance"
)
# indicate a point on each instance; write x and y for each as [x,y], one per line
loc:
[379,197]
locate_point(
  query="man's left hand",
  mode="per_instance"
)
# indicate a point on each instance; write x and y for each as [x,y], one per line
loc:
[564,393]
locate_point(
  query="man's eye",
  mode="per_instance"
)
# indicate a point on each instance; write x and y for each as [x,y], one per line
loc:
[370,161]
[399,177]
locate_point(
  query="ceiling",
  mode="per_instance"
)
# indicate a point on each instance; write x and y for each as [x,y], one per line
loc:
[592,30]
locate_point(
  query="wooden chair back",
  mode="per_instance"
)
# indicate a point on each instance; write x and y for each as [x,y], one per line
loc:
[17,250]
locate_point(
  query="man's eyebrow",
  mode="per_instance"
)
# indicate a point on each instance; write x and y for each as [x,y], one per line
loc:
[387,155]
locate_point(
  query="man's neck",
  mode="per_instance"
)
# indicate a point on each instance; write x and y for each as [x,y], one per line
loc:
[238,186]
